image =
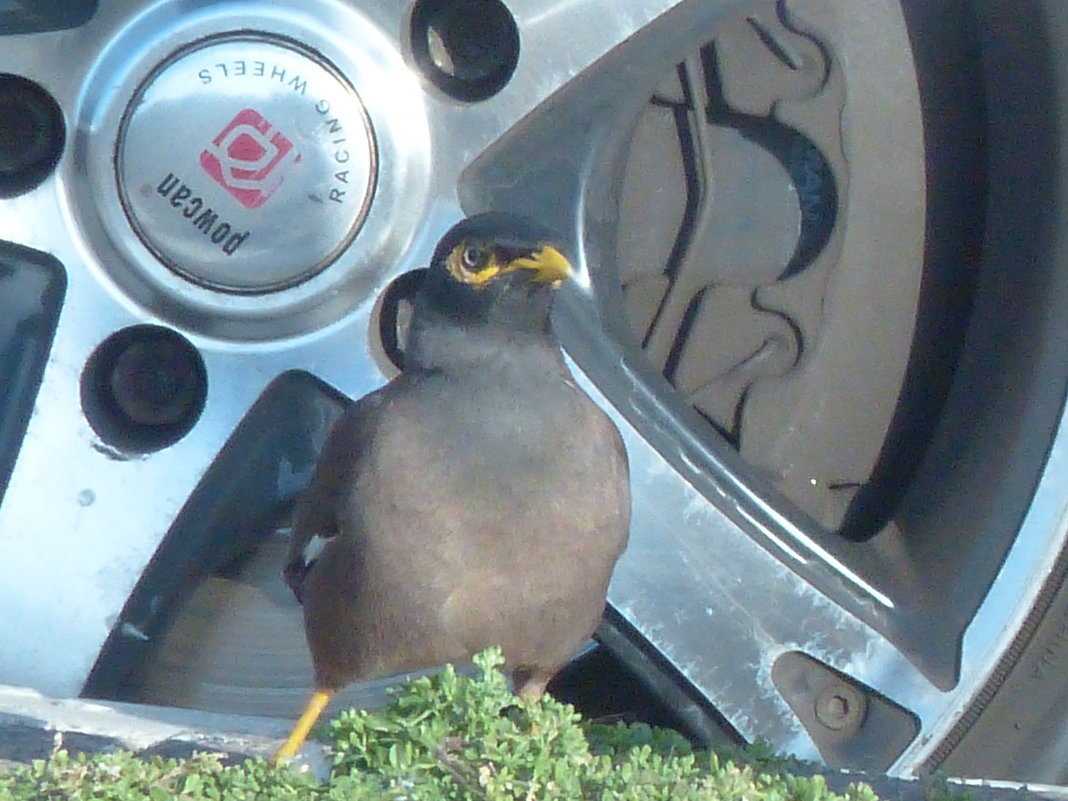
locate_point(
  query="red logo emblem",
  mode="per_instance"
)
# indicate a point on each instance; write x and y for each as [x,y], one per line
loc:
[249,158]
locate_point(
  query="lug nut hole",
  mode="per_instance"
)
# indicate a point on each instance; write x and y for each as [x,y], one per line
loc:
[32,135]
[41,16]
[390,320]
[467,48]
[143,388]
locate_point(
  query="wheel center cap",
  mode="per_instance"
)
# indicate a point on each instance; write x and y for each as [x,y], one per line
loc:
[246,164]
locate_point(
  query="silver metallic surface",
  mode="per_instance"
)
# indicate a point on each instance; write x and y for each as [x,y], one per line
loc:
[276,194]
[718,580]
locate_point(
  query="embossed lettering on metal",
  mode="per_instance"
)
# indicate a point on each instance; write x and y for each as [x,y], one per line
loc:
[246,164]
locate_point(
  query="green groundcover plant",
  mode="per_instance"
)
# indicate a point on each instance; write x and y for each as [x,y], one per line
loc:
[447,737]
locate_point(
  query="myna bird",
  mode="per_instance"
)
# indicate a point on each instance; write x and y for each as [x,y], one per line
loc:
[479,498]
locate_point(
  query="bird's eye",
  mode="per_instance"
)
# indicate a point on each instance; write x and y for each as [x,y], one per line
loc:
[473,257]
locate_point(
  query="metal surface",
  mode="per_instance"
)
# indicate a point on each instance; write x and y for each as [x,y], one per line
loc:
[297,148]
[850,724]
[728,568]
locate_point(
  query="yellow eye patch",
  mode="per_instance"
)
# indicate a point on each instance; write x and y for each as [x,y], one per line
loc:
[478,267]
[479,273]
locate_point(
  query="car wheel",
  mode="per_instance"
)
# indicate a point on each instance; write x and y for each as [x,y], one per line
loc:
[821,257]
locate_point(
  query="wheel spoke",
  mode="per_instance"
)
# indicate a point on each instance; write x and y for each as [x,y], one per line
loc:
[63,587]
[725,610]
[81,518]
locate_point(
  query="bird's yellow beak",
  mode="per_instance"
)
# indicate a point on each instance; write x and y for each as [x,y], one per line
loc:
[550,266]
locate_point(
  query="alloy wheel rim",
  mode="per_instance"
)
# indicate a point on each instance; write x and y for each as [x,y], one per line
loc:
[436,156]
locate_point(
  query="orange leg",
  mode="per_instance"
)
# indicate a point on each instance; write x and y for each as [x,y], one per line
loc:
[315,707]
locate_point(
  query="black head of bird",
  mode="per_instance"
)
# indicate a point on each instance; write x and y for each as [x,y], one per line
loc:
[479,498]
[493,273]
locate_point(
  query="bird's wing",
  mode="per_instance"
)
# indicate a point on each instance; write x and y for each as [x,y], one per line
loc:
[315,521]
